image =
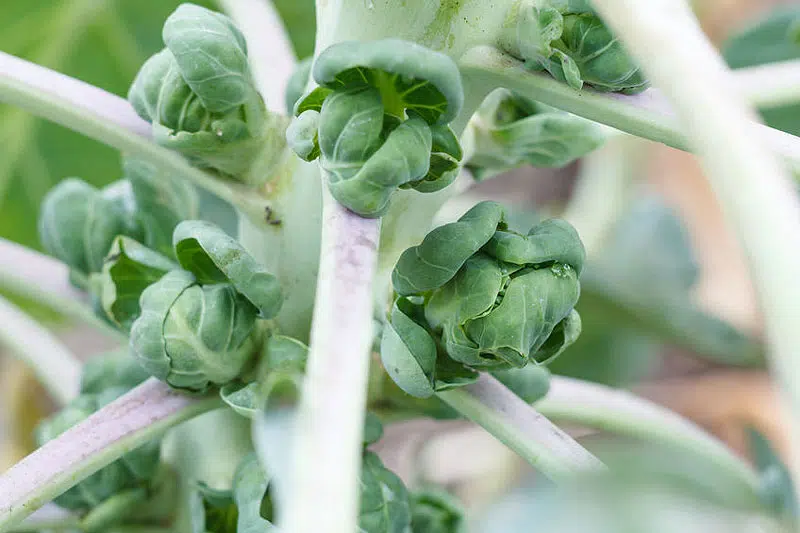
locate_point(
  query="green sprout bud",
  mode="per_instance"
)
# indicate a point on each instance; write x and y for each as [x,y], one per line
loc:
[570,41]
[199,94]
[403,95]
[78,223]
[475,295]
[510,130]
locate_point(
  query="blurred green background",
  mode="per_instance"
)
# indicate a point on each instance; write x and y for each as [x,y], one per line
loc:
[103,42]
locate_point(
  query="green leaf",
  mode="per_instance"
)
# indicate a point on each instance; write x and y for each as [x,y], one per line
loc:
[128,270]
[530,383]
[373,429]
[434,510]
[768,40]
[445,249]
[408,352]
[511,130]
[300,21]
[302,136]
[161,203]
[279,374]
[112,370]
[296,86]
[244,398]
[250,485]
[384,499]
[214,257]
[777,487]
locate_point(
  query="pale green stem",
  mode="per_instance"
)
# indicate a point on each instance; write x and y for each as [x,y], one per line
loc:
[491,405]
[646,115]
[56,368]
[590,405]
[108,119]
[62,524]
[603,190]
[128,422]
[269,50]
[755,191]
[330,418]
[771,85]
[44,281]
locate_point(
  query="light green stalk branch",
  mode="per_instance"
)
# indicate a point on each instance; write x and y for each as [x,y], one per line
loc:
[44,281]
[620,412]
[330,420]
[755,192]
[106,118]
[648,115]
[270,52]
[516,424]
[771,85]
[54,365]
[133,419]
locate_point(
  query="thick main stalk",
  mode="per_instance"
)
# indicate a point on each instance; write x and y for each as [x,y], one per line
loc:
[329,424]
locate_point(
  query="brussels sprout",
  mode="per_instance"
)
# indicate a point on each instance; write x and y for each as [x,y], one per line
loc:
[511,130]
[132,470]
[193,336]
[436,511]
[570,41]
[403,95]
[199,95]
[78,223]
[476,295]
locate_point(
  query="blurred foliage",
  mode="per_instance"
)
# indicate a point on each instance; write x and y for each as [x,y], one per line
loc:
[102,42]
[647,489]
[767,40]
[636,296]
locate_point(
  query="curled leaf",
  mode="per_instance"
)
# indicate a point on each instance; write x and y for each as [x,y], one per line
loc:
[445,249]
[128,270]
[408,352]
[435,510]
[214,257]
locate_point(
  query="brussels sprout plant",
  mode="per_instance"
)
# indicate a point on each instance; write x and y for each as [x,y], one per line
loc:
[292,260]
